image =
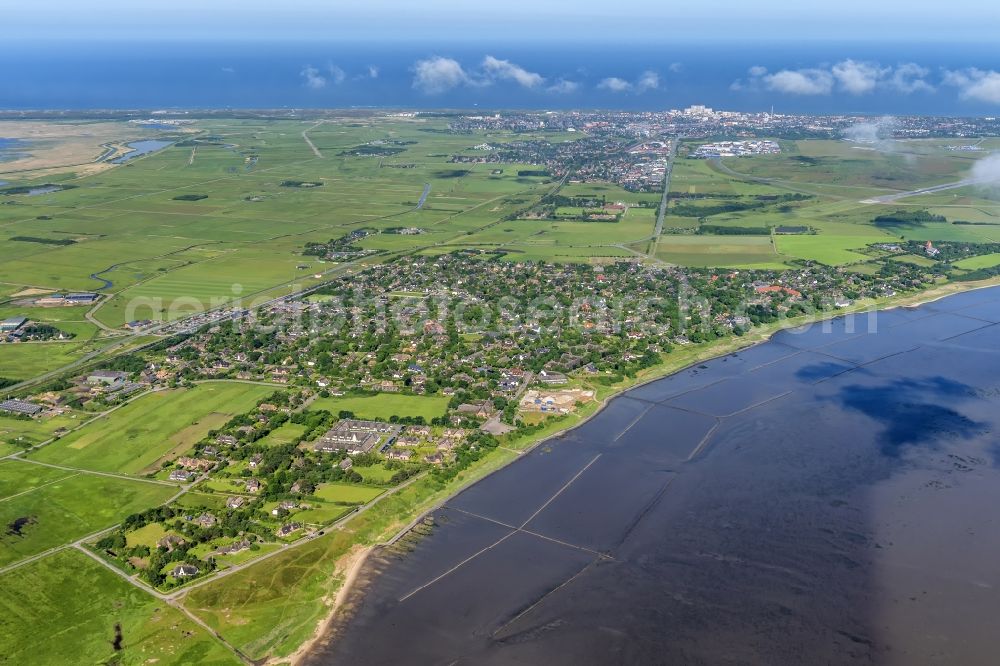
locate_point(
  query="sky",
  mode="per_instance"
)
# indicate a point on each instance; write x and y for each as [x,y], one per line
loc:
[520,20]
[809,56]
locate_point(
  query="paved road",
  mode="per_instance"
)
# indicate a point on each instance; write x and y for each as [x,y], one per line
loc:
[423,197]
[662,213]
[890,198]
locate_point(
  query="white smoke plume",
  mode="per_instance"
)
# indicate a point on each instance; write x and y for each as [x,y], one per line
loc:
[986,173]
[877,135]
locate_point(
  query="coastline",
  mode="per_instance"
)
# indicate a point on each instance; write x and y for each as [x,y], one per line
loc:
[353,562]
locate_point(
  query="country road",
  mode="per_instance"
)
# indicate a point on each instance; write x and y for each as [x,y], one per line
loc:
[312,145]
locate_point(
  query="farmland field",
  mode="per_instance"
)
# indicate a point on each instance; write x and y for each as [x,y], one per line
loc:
[385,405]
[724,251]
[132,439]
[983,261]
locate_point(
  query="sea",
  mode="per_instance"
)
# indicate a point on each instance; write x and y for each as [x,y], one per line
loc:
[132,74]
[823,498]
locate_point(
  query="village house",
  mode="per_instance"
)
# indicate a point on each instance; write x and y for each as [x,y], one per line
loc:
[206,520]
[399,455]
[235,547]
[182,475]
[551,378]
[184,571]
[482,409]
[288,528]
[285,506]
[170,541]
[195,463]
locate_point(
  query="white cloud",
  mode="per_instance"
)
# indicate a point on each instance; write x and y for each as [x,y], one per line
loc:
[648,81]
[313,78]
[975,84]
[614,84]
[857,78]
[372,72]
[676,67]
[853,77]
[564,87]
[800,81]
[910,78]
[437,75]
[229,70]
[507,71]
[337,75]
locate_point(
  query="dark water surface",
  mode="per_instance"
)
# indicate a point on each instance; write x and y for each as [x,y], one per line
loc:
[830,497]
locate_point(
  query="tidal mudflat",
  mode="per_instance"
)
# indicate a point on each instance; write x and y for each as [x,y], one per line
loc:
[827,497]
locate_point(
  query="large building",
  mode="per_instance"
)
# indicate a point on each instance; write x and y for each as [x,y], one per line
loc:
[20,407]
[110,377]
[356,436]
[12,324]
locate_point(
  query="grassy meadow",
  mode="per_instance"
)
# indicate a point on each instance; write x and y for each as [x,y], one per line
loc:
[63,608]
[132,439]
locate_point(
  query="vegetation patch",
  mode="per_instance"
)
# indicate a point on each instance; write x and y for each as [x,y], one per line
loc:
[907,218]
[43,241]
[301,183]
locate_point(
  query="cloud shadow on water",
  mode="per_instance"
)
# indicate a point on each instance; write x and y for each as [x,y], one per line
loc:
[912,412]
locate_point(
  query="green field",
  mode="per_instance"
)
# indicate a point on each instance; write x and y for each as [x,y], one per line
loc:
[375,473]
[55,512]
[27,360]
[63,609]
[346,493]
[723,251]
[983,261]
[385,405]
[134,438]
[18,477]
[17,434]
[288,433]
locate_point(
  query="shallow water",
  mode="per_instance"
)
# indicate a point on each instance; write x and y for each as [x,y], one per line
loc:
[827,497]
[140,148]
